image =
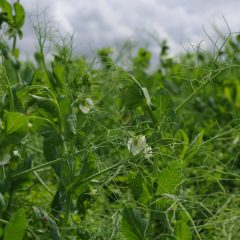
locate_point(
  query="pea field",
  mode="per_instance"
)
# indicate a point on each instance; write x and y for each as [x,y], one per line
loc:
[114,146]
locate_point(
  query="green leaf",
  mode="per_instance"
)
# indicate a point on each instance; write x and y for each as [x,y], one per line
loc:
[165,112]
[4,159]
[16,126]
[182,231]
[194,146]
[146,96]
[2,202]
[70,125]
[58,73]
[88,168]
[16,227]
[48,221]
[7,9]
[169,179]
[134,224]
[19,17]
[132,96]
[183,144]
[139,188]
[15,122]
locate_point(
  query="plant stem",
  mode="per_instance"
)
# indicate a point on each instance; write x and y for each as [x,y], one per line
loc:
[155,167]
[3,221]
[11,99]
[204,84]
[79,180]
[14,45]
[66,215]
[37,167]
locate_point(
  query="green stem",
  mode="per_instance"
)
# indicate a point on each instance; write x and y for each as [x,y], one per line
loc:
[78,181]
[155,167]
[204,84]
[3,221]
[13,53]
[14,45]
[66,215]
[11,98]
[11,193]
[37,168]
[45,68]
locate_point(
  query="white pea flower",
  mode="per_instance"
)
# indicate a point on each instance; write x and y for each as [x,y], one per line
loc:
[138,144]
[148,153]
[86,105]
[16,153]
[30,125]
[5,159]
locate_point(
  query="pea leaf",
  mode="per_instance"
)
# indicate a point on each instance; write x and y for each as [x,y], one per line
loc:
[2,202]
[16,227]
[165,112]
[19,17]
[49,222]
[183,144]
[7,9]
[132,96]
[134,224]
[169,179]
[182,231]
[58,73]
[195,146]
[139,188]
[15,122]
[16,126]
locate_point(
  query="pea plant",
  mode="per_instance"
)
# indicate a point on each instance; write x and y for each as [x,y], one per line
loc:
[98,150]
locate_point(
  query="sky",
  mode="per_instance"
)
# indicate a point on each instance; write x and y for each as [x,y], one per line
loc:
[102,23]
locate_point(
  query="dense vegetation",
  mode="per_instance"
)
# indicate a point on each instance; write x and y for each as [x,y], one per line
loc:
[107,149]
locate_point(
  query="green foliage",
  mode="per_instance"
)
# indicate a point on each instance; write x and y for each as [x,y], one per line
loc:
[15,19]
[182,231]
[169,179]
[19,17]
[15,126]
[109,153]
[49,223]
[134,224]
[16,227]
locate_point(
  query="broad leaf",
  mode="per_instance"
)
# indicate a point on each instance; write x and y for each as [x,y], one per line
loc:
[182,231]
[15,122]
[48,221]
[169,179]
[139,188]
[2,202]
[58,73]
[132,96]
[134,224]
[16,126]
[19,17]
[7,9]
[182,144]
[165,112]
[16,227]
[194,146]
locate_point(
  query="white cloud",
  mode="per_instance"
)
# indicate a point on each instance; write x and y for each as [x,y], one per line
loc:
[98,23]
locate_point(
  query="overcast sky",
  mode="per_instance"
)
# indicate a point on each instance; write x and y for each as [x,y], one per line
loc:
[99,23]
